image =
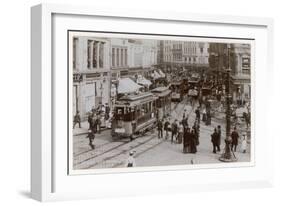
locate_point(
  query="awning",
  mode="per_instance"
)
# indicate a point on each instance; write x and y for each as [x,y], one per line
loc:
[143,81]
[126,85]
[161,73]
[156,75]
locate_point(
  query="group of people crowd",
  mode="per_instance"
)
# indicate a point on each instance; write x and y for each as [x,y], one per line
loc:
[95,122]
[181,133]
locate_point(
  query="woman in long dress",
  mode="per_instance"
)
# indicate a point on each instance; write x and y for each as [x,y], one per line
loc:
[193,142]
[244,143]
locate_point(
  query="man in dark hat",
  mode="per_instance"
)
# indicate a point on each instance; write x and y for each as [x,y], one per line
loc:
[91,136]
[77,119]
[234,137]
[214,140]
[174,129]
[160,128]
[219,138]
[197,112]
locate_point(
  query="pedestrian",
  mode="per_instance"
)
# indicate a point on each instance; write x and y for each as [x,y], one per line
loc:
[193,142]
[184,115]
[209,118]
[77,119]
[160,128]
[107,109]
[131,162]
[219,138]
[98,123]
[196,129]
[180,133]
[197,112]
[166,128]
[91,136]
[174,129]
[186,140]
[185,122]
[234,137]
[94,123]
[244,143]
[90,120]
[214,140]
[247,119]
[204,115]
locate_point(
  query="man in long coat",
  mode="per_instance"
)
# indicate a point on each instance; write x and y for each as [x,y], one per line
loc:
[186,137]
[160,128]
[193,142]
[91,136]
[219,138]
[234,137]
[214,139]
[174,129]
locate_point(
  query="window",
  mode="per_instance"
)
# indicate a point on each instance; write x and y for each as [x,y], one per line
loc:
[246,63]
[113,57]
[126,57]
[121,50]
[74,57]
[117,64]
[89,44]
[101,54]
[94,55]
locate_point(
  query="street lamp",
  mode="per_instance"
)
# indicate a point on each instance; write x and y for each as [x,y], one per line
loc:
[228,155]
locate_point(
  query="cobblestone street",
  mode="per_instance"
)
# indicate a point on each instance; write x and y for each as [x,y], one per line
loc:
[150,150]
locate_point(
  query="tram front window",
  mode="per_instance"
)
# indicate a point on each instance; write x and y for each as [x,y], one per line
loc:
[119,113]
[129,114]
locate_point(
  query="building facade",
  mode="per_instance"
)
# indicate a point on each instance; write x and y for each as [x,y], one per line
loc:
[184,53]
[91,73]
[237,57]
[241,72]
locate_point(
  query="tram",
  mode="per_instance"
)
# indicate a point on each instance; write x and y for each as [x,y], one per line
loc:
[163,101]
[177,91]
[193,82]
[134,114]
[206,89]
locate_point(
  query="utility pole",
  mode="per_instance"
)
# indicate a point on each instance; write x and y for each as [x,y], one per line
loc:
[228,155]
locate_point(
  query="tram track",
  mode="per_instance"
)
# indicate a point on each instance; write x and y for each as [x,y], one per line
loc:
[113,153]
[89,154]
[90,150]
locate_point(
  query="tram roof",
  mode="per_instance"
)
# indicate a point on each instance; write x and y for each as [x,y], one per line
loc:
[176,83]
[135,97]
[160,89]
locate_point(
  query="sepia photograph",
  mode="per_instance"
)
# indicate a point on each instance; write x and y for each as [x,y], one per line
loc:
[150,101]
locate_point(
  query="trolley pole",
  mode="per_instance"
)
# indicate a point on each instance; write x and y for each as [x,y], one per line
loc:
[228,155]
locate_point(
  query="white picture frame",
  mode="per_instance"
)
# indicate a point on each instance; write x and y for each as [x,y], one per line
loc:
[49,177]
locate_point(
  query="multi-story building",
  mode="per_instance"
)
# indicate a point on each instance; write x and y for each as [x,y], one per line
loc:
[238,58]
[91,73]
[196,53]
[241,72]
[120,59]
[185,53]
[218,56]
